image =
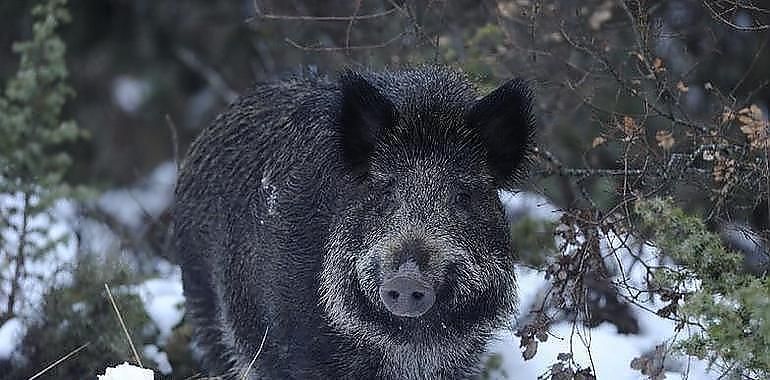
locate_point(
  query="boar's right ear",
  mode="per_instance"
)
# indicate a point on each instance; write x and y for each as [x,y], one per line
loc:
[365,114]
[505,124]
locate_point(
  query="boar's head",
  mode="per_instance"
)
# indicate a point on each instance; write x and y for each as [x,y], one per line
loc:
[421,248]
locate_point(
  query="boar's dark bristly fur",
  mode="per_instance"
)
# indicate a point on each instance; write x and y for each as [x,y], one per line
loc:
[301,201]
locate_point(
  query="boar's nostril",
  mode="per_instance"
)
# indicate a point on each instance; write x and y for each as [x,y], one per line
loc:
[418,296]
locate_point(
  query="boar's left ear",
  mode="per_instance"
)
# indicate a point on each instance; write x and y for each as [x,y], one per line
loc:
[364,115]
[506,126]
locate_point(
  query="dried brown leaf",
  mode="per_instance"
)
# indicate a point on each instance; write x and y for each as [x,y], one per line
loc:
[658,66]
[530,350]
[744,119]
[756,112]
[665,139]
[629,127]
[723,169]
[727,115]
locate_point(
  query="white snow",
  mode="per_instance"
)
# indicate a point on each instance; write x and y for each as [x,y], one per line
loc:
[150,197]
[163,300]
[42,271]
[129,93]
[531,284]
[153,352]
[126,371]
[11,333]
[610,352]
[524,203]
[162,296]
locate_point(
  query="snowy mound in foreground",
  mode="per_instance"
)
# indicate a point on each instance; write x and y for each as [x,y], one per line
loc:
[126,371]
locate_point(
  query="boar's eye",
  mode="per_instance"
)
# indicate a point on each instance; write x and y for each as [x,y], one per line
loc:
[383,189]
[385,198]
[463,200]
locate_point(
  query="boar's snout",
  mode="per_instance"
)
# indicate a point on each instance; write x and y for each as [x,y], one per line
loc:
[406,293]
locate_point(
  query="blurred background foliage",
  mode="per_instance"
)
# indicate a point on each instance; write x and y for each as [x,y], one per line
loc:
[635,100]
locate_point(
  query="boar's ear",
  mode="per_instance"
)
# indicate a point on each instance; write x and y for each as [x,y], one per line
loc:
[365,113]
[504,122]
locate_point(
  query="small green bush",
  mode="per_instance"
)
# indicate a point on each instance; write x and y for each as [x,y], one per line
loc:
[729,308]
[81,313]
[33,161]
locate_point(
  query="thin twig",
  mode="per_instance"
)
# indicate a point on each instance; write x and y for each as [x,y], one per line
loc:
[174,140]
[333,48]
[254,359]
[266,16]
[123,326]
[62,359]
[754,61]
[19,259]
[350,24]
[557,167]
[213,78]
[718,16]
[437,40]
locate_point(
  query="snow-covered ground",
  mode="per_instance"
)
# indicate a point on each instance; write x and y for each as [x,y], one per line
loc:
[11,333]
[148,198]
[162,296]
[610,352]
[602,348]
[50,270]
[41,272]
[126,371]
[163,301]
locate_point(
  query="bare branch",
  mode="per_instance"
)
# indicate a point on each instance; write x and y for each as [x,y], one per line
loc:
[213,78]
[721,18]
[59,361]
[123,326]
[354,17]
[350,24]
[334,48]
